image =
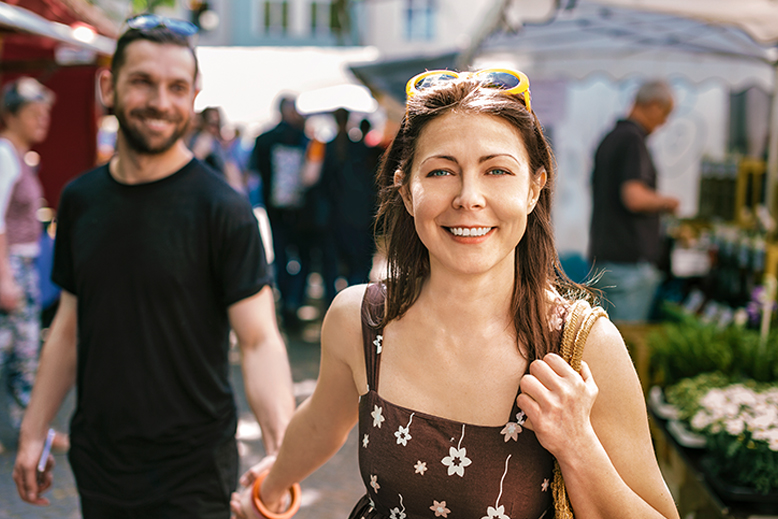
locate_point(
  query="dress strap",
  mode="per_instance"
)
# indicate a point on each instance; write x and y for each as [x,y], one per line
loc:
[372,316]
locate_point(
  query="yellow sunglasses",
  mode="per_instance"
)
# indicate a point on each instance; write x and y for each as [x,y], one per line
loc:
[508,81]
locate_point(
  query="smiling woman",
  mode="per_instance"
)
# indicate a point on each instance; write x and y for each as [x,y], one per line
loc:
[474,401]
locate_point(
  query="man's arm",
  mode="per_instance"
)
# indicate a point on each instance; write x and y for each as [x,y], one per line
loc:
[266,373]
[56,375]
[639,198]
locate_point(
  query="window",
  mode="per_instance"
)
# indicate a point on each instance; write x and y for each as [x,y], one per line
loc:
[420,18]
[324,18]
[275,17]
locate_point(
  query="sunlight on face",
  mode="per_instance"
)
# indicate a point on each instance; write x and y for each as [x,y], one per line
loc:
[470,192]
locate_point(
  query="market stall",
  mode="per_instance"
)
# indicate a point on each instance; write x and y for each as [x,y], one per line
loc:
[62,43]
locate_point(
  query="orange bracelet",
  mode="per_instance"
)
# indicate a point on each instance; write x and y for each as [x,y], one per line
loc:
[262,509]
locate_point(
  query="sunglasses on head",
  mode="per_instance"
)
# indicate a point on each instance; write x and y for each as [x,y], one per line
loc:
[148,21]
[509,82]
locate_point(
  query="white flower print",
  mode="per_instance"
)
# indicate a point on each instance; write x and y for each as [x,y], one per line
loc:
[374,483]
[457,459]
[440,509]
[495,513]
[378,341]
[544,486]
[521,417]
[365,441]
[395,512]
[511,431]
[498,511]
[421,467]
[378,418]
[403,433]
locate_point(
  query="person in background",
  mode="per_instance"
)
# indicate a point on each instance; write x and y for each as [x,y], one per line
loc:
[625,241]
[451,366]
[280,157]
[26,113]
[348,182]
[207,144]
[158,259]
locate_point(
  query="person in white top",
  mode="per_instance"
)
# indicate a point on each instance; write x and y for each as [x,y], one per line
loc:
[26,113]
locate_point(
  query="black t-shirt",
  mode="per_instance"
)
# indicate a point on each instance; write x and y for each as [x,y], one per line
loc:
[618,234]
[154,268]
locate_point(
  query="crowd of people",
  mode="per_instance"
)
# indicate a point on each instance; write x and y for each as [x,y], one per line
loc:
[319,196]
[159,258]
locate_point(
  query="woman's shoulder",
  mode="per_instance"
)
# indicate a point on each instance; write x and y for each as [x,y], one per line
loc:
[345,311]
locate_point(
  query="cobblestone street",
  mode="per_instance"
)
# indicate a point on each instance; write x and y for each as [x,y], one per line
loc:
[329,493]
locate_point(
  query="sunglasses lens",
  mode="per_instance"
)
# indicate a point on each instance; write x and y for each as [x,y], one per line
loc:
[181,27]
[503,80]
[432,80]
[144,21]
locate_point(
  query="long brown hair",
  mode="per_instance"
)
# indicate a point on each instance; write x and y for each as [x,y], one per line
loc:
[537,263]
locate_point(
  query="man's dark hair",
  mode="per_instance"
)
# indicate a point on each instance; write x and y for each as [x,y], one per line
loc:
[160,35]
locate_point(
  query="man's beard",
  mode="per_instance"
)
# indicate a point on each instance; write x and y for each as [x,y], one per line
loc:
[138,141]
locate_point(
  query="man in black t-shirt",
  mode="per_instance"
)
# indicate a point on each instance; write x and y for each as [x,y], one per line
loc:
[625,238]
[158,259]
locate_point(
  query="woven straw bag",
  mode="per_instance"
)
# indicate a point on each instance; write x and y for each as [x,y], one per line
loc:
[579,323]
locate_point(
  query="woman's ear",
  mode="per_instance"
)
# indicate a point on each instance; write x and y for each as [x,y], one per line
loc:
[403,189]
[536,186]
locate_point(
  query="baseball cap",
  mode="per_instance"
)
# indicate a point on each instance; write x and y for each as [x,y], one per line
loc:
[22,91]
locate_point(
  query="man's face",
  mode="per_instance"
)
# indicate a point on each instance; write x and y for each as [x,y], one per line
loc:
[153,95]
[657,114]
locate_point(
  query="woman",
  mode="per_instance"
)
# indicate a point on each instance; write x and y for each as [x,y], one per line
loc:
[472,318]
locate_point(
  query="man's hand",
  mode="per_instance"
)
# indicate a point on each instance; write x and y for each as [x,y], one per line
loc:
[29,482]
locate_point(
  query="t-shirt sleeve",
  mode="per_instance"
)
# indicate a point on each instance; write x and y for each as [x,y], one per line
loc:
[243,266]
[636,163]
[62,272]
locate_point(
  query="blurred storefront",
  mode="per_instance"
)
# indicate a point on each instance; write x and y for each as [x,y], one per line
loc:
[62,43]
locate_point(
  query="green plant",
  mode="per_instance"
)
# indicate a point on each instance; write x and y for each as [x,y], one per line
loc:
[684,347]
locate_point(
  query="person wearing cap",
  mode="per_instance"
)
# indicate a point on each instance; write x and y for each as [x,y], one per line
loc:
[158,259]
[26,107]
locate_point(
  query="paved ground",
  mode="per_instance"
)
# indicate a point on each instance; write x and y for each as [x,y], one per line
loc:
[329,493]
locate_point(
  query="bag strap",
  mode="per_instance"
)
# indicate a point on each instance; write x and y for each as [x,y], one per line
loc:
[579,323]
[577,327]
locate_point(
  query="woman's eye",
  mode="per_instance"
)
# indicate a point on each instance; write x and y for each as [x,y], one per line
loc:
[437,173]
[498,171]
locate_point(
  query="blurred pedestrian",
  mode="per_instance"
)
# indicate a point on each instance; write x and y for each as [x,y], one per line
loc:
[158,259]
[207,144]
[280,158]
[26,113]
[348,178]
[625,240]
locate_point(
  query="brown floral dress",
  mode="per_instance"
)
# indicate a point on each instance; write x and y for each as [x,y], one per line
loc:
[416,465]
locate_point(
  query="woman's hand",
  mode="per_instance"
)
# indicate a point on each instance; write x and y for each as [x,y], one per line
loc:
[247,481]
[558,402]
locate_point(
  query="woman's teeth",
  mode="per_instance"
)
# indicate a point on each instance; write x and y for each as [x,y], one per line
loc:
[469,231]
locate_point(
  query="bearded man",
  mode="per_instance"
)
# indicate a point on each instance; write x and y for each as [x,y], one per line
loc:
[158,259]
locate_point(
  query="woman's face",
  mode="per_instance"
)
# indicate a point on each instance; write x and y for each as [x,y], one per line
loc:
[470,191]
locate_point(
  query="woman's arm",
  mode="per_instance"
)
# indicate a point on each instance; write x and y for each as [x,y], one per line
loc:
[598,431]
[321,424]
